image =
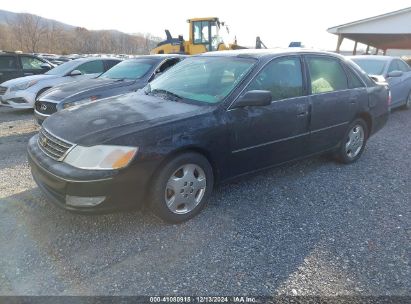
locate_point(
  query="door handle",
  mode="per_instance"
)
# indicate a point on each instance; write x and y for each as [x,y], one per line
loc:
[302,114]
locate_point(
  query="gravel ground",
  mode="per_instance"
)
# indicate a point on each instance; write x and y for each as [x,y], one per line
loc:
[315,227]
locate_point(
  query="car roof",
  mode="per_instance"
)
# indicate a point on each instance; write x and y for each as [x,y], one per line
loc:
[261,53]
[87,59]
[160,56]
[374,57]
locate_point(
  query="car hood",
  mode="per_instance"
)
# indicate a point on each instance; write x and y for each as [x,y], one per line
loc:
[99,122]
[20,80]
[85,87]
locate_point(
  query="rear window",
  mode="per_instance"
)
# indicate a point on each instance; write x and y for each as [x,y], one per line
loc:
[371,66]
[8,63]
[91,67]
[130,69]
[353,80]
[327,75]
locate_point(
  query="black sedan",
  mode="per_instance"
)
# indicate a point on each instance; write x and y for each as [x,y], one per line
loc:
[211,118]
[125,77]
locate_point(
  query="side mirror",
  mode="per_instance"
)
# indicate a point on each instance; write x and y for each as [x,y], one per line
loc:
[45,66]
[254,98]
[395,74]
[75,73]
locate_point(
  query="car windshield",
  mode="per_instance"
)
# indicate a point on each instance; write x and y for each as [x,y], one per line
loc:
[64,68]
[371,66]
[130,69]
[207,79]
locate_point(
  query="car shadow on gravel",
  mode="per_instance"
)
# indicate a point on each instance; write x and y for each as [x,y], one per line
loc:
[254,235]
[13,149]
[10,114]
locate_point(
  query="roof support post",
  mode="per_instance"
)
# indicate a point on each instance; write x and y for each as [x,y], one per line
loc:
[376,51]
[367,49]
[354,51]
[339,42]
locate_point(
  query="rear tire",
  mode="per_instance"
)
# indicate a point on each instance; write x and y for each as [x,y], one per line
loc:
[354,141]
[180,190]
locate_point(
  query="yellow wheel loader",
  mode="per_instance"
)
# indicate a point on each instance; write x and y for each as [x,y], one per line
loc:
[204,36]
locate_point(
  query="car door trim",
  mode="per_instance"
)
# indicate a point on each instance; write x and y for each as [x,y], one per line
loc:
[330,127]
[269,143]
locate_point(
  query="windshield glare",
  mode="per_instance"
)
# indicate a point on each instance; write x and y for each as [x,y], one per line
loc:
[64,68]
[129,69]
[371,66]
[204,79]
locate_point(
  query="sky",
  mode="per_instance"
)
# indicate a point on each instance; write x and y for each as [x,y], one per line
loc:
[276,22]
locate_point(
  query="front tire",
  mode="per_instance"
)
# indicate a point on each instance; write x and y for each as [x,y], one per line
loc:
[353,143]
[180,190]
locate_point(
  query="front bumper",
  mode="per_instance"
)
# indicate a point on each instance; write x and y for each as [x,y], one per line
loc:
[120,189]
[22,99]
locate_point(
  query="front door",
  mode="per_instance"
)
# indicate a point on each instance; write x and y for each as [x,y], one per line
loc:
[267,135]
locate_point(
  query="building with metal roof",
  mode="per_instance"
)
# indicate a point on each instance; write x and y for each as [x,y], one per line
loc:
[383,32]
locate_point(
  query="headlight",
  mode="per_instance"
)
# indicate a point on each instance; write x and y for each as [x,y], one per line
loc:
[80,102]
[23,86]
[100,157]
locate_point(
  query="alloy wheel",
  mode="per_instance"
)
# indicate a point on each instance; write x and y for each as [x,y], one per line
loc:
[355,141]
[185,188]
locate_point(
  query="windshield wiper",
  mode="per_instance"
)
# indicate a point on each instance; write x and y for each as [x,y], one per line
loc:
[165,93]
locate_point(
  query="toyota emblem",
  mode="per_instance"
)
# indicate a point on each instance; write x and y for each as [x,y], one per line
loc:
[43,141]
[43,107]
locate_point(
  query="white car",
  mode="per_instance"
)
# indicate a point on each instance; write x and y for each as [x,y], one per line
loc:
[21,93]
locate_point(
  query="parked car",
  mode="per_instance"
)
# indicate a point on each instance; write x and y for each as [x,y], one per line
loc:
[14,65]
[209,119]
[394,71]
[125,77]
[22,92]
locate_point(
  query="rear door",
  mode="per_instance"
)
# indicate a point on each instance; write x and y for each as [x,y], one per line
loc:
[266,135]
[9,67]
[31,65]
[334,104]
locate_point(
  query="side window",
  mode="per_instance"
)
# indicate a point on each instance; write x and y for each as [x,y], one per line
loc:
[283,77]
[393,66]
[168,64]
[8,63]
[353,80]
[403,66]
[111,63]
[327,75]
[30,63]
[91,67]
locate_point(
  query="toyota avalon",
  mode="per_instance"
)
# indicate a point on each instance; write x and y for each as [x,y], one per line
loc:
[211,118]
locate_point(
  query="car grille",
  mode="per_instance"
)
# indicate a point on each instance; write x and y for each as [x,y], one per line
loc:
[3,90]
[45,107]
[52,146]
